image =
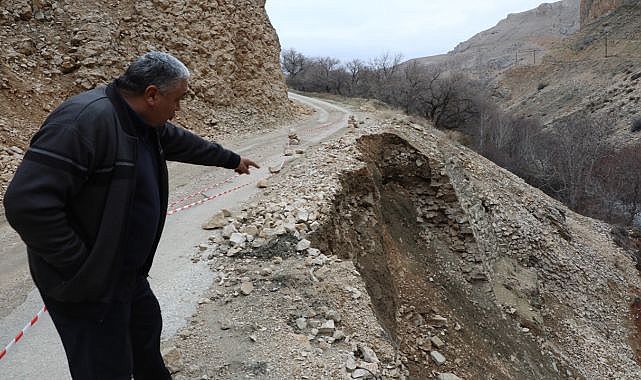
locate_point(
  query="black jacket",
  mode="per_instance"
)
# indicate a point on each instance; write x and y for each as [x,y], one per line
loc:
[71,195]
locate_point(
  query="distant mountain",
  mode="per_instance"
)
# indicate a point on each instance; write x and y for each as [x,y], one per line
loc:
[520,38]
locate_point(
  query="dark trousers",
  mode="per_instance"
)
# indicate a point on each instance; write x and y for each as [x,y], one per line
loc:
[124,339]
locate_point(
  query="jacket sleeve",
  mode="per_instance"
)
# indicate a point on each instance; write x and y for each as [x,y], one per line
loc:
[53,170]
[181,145]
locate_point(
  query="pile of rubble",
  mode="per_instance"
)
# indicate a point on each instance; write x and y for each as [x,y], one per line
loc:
[440,263]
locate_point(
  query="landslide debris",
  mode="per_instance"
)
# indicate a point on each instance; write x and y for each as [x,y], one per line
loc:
[436,260]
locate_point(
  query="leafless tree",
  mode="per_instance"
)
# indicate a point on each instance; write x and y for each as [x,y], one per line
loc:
[293,63]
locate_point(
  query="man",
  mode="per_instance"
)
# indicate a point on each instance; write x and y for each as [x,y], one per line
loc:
[90,199]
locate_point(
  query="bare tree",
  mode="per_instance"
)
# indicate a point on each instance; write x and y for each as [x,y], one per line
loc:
[293,63]
[355,68]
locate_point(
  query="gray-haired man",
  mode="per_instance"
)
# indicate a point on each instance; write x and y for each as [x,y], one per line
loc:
[90,199]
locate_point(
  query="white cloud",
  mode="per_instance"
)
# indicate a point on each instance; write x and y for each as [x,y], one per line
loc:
[366,28]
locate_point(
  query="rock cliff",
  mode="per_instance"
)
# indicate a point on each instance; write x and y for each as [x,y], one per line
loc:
[594,9]
[55,48]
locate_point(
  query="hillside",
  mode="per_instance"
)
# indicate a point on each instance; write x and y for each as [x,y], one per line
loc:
[577,78]
[513,40]
[54,48]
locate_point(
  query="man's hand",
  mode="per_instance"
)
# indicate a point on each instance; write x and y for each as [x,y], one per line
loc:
[243,166]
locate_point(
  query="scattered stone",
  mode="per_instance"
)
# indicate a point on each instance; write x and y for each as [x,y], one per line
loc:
[258,242]
[217,221]
[437,342]
[438,321]
[246,288]
[237,238]
[350,363]
[173,360]
[303,245]
[360,373]
[333,314]
[356,294]
[368,354]
[228,230]
[225,324]
[262,184]
[448,376]
[302,215]
[438,357]
[339,335]
[301,323]
[203,247]
[327,328]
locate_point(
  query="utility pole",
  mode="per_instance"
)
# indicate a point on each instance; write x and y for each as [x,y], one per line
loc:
[516,59]
[606,45]
[534,55]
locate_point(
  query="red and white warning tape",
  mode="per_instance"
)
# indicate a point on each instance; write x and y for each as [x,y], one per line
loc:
[23,331]
[209,198]
[200,192]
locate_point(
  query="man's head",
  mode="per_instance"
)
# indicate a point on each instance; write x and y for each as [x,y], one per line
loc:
[153,85]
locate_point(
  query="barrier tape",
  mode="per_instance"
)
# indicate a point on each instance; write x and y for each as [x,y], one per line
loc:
[209,198]
[200,192]
[22,332]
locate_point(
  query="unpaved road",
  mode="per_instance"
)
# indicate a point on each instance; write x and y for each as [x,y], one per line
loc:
[176,280]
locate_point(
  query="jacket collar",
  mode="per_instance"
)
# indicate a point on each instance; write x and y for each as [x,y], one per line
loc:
[121,107]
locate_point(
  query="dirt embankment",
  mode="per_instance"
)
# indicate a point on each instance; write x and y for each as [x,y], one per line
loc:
[514,284]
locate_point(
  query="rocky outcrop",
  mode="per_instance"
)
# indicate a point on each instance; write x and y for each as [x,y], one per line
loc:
[594,9]
[55,48]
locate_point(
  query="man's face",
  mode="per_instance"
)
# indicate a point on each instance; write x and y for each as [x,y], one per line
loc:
[164,104]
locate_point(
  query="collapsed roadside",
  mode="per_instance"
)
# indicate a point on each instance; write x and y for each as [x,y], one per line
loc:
[391,252]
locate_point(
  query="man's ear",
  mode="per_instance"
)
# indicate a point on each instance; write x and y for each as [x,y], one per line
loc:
[151,95]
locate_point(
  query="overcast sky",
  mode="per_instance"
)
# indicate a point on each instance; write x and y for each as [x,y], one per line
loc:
[364,29]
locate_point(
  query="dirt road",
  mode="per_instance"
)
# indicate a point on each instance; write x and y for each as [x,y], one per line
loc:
[176,280]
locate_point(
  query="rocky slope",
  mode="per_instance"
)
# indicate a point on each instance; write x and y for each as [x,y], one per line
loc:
[512,40]
[577,78]
[592,10]
[468,272]
[54,48]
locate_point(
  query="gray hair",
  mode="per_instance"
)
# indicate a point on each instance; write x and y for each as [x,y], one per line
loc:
[154,68]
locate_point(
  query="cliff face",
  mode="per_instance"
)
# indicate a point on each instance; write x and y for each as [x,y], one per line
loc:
[593,9]
[53,48]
